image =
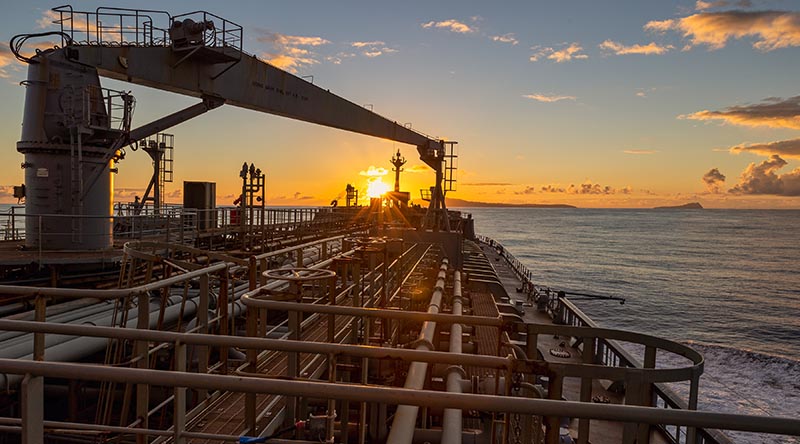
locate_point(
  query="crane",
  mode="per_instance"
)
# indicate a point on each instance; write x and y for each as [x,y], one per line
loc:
[74,130]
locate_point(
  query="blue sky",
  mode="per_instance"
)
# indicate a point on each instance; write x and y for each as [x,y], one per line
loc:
[550,101]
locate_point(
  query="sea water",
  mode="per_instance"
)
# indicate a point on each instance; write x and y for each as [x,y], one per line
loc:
[725,282]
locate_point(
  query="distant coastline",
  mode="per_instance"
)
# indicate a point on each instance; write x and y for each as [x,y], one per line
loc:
[459,203]
[688,206]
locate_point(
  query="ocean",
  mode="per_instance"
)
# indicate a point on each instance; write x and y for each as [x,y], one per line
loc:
[723,281]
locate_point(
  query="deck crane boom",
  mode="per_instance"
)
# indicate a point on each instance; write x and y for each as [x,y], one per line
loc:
[196,54]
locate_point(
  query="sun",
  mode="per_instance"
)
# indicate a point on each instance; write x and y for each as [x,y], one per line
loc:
[376,188]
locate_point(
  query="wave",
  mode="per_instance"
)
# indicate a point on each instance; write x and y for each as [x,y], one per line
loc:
[745,353]
[751,382]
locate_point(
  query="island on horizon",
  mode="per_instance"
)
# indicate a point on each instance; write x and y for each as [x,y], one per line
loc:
[688,206]
[460,203]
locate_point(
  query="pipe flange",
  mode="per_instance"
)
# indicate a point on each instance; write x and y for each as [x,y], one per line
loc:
[420,341]
[458,369]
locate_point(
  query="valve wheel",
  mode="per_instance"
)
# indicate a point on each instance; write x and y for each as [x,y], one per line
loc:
[299,274]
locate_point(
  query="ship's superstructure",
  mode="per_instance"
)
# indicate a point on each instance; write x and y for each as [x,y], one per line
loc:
[382,324]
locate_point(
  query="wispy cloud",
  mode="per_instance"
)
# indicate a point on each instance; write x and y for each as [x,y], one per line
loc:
[8,62]
[299,196]
[291,52]
[547,98]
[372,171]
[48,19]
[366,44]
[651,48]
[714,180]
[373,49]
[764,178]
[643,92]
[701,5]
[566,54]
[6,193]
[639,151]
[771,112]
[7,59]
[487,184]
[451,25]
[785,148]
[771,30]
[587,188]
[419,168]
[128,194]
[379,51]
[505,38]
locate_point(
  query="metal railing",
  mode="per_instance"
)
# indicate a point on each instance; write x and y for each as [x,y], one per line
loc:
[173,223]
[143,27]
[609,352]
[113,26]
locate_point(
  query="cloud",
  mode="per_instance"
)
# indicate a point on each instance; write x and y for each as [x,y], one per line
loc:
[367,44]
[9,63]
[419,168]
[590,188]
[639,151]
[713,180]
[505,38]
[371,49]
[770,29]
[6,192]
[641,94]
[299,196]
[487,184]
[763,178]
[773,112]
[128,193]
[374,172]
[175,194]
[451,25]
[785,148]
[7,60]
[573,51]
[290,52]
[620,49]
[552,189]
[48,19]
[378,52]
[701,5]
[584,188]
[547,98]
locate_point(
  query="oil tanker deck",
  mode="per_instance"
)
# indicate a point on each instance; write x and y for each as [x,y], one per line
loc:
[382,323]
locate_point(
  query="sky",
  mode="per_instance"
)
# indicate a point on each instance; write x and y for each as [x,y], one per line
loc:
[595,104]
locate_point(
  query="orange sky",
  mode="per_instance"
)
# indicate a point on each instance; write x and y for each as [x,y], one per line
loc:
[639,105]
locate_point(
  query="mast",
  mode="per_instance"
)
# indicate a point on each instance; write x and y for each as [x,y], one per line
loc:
[398,161]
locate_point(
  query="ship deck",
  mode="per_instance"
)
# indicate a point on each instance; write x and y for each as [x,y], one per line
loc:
[600,431]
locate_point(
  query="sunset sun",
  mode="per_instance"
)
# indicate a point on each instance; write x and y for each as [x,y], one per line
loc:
[376,188]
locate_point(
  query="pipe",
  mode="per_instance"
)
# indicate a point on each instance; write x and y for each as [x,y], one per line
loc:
[355,392]
[23,345]
[9,338]
[405,417]
[54,309]
[67,349]
[201,339]
[452,418]
[412,316]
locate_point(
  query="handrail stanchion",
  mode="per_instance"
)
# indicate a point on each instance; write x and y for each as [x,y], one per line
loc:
[142,346]
[179,402]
